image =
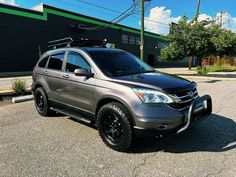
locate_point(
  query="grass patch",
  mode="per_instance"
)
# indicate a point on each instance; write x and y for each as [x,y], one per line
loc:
[19,87]
[202,70]
[222,69]
[218,69]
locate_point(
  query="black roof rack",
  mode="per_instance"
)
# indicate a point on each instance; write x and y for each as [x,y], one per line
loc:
[82,42]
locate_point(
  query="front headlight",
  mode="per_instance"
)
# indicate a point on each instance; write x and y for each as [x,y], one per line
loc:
[152,96]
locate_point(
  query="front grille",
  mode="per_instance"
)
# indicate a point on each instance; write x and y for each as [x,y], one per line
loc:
[183,99]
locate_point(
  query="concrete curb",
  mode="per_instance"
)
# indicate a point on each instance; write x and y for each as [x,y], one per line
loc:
[9,92]
[6,92]
[20,99]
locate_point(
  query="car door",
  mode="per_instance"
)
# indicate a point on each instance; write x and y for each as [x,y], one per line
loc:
[77,91]
[52,73]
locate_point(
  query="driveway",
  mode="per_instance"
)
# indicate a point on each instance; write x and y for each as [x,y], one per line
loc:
[31,145]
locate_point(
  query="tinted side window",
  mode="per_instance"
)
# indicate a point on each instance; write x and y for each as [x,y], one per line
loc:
[75,61]
[43,62]
[56,61]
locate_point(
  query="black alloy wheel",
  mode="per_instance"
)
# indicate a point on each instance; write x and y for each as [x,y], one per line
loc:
[112,129]
[41,102]
[114,126]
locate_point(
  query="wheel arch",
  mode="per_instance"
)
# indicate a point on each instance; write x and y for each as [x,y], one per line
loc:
[107,100]
[37,85]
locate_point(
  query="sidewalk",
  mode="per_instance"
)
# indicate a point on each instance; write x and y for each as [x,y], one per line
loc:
[184,72]
[6,83]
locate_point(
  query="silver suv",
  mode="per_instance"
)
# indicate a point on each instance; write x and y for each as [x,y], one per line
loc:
[121,95]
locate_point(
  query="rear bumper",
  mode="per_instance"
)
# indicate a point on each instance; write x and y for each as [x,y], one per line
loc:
[178,123]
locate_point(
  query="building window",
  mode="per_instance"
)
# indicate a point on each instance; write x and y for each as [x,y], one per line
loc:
[162,45]
[110,45]
[132,40]
[125,39]
[138,41]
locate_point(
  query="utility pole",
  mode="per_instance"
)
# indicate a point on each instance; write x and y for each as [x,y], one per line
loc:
[198,7]
[142,30]
[221,17]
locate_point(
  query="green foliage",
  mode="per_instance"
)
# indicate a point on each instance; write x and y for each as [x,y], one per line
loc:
[202,70]
[222,69]
[199,39]
[224,42]
[172,52]
[19,86]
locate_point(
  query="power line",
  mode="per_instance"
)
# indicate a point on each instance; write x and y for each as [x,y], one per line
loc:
[82,6]
[131,14]
[111,10]
[85,2]
[116,20]
[162,23]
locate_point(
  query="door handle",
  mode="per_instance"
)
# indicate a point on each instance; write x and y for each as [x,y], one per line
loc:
[65,76]
[45,72]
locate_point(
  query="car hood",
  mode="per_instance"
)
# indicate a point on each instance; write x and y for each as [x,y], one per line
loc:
[160,81]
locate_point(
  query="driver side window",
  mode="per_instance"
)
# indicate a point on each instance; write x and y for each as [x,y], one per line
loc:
[76,61]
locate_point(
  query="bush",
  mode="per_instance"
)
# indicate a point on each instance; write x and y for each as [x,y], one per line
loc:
[203,70]
[19,86]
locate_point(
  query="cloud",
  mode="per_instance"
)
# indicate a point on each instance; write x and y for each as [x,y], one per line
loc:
[159,19]
[10,2]
[203,17]
[228,22]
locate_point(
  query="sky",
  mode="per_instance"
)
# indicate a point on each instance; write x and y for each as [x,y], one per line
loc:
[158,14]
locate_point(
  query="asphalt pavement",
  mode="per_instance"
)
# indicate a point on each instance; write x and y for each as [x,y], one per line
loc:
[31,145]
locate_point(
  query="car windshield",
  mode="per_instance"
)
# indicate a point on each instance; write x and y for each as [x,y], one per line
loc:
[115,63]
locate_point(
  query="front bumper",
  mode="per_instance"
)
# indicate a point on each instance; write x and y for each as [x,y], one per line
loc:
[175,121]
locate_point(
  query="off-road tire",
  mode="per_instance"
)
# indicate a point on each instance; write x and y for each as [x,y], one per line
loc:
[44,109]
[123,128]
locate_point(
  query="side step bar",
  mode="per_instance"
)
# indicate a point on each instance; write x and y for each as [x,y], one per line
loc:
[75,116]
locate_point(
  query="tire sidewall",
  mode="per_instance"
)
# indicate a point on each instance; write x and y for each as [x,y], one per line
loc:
[122,116]
[40,91]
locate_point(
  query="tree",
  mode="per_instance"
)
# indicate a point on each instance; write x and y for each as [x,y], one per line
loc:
[173,52]
[224,41]
[199,39]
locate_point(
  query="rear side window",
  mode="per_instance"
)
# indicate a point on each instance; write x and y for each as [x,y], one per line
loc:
[43,62]
[56,61]
[76,61]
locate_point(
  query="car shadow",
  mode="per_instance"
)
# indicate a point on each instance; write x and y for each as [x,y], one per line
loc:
[215,134]
[210,81]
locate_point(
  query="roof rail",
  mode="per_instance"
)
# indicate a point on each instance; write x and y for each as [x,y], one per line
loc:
[82,42]
[60,42]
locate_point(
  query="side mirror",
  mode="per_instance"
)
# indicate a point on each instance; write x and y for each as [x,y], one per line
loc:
[83,72]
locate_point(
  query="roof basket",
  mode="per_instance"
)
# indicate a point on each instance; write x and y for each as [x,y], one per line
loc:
[82,42]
